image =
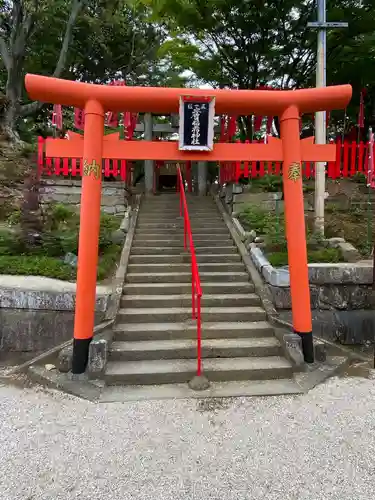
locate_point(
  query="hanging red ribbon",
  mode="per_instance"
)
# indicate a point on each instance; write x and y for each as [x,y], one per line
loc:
[57,119]
[79,118]
[361,115]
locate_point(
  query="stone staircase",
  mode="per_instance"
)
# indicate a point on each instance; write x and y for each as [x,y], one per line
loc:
[155,337]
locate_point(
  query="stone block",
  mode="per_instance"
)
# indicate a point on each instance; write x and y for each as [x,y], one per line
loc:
[125,223]
[293,348]
[276,277]
[282,300]
[341,273]
[64,360]
[345,296]
[258,258]
[109,210]
[320,352]
[240,230]
[349,252]
[98,354]
[237,189]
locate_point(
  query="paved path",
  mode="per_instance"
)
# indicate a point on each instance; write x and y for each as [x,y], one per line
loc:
[316,446]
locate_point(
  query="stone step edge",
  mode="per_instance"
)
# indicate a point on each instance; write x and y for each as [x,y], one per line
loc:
[181,343]
[150,367]
[207,325]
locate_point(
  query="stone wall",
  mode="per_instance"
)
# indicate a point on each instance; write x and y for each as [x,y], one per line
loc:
[342,286]
[37,313]
[69,192]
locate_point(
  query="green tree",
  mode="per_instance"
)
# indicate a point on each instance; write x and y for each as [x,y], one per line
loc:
[20,19]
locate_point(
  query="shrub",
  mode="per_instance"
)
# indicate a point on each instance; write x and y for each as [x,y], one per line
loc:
[32,265]
[11,243]
[108,260]
[280,258]
[254,217]
[269,183]
[14,217]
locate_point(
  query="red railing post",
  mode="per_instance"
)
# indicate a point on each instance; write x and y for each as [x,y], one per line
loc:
[196,291]
[199,337]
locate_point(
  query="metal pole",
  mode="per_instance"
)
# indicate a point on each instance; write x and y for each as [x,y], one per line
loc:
[320,120]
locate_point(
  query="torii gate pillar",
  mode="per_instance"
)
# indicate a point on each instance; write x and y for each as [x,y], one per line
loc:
[295,229]
[88,245]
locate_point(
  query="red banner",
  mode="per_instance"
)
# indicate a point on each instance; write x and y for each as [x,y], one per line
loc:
[361,115]
[57,119]
[79,118]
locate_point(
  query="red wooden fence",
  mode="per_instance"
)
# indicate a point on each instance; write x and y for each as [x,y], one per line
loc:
[351,159]
[73,166]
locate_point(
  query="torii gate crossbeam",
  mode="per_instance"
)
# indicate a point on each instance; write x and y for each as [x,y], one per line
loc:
[97,99]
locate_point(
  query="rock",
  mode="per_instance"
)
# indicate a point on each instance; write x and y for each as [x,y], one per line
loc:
[334,242]
[65,358]
[237,189]
[71,259]
[118,237]
[258,239]
[250,236]
[50,367]
[200,383]
[349,252]
[320,352]
[125,224]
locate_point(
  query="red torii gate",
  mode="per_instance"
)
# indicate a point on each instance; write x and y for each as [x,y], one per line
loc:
[97,99]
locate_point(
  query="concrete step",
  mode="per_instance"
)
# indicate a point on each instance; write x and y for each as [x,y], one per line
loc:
[204,267]
[168,215]
[182,370]
[179,250]
[245,389]
[185,288]
[184,300]
[188,330]
[187,349]
[179,231]
[179,314]
[178,242]
[177,238]
[184,277]
[166,222]
[186,258]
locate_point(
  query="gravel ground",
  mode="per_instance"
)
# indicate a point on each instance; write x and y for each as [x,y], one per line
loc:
[317,446]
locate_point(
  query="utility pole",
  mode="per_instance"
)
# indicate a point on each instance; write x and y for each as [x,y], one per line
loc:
[320,117]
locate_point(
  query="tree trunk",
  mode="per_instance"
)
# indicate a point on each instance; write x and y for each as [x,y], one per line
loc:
[8,118]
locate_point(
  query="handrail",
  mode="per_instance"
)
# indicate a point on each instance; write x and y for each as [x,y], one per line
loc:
[196,290]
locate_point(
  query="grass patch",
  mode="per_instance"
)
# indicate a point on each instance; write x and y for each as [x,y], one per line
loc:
[278,259]
[45,257]
[36,265]
[272,228]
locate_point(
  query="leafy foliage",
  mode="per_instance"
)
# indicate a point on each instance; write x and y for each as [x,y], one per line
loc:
[60,237]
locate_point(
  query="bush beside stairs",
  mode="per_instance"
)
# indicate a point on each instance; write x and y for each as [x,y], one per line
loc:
[154,335]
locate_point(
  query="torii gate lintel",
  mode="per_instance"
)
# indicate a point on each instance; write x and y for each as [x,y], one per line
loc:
[117,149]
